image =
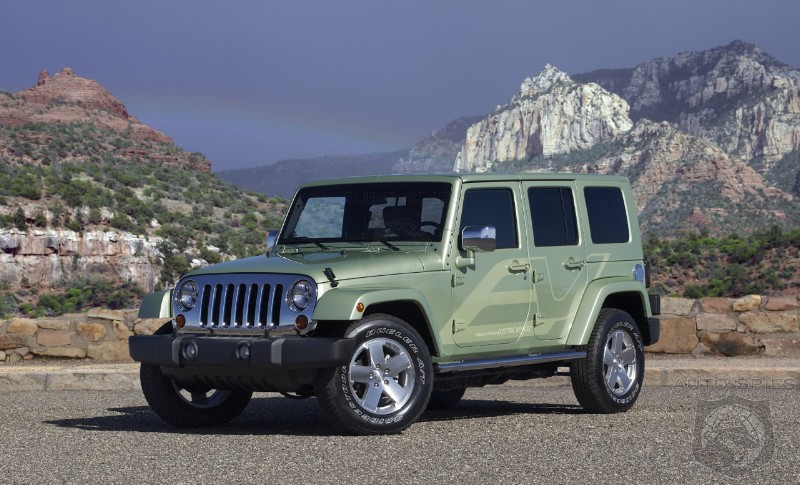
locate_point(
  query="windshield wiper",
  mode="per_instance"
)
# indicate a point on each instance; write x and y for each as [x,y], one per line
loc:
[307,239]
[388,244]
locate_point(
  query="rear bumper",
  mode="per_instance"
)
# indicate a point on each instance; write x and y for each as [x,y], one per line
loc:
[271,354]
[653,331]
[651,334]
[655,304]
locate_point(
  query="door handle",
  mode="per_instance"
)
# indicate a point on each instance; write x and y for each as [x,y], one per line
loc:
[517,267]
[573,264]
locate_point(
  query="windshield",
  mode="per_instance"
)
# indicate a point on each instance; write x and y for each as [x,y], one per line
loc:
[368,212]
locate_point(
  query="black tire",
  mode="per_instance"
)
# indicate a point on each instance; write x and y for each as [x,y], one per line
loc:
[609,379]
[368,396]
[441,400]
[186,407]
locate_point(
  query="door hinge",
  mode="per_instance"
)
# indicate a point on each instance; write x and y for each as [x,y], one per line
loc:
[459,325]
[456,280]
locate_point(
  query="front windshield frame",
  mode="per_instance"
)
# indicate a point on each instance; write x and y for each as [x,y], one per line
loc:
[385,212]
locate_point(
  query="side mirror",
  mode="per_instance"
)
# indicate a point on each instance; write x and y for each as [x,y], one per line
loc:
[272,238]
[481,239]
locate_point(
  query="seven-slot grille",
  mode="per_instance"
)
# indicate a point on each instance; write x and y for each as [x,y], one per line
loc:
[242,301]
[241,305]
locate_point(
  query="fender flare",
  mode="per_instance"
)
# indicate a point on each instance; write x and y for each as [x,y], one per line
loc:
[592,302]
[340,304]
[157,305]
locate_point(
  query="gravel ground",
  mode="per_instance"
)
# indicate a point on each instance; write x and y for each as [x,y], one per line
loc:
[501,434]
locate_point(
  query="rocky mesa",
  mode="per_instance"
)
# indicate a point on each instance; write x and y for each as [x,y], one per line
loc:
[736,96]
[65,100]
[550,115]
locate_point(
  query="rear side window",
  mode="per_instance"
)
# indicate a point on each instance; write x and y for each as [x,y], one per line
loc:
[491,207]
[608,221]
[553,216]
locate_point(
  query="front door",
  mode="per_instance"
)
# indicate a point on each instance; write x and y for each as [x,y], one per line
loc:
[558,257]
[491,299]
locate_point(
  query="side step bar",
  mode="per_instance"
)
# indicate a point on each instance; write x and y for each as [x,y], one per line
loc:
[507,361]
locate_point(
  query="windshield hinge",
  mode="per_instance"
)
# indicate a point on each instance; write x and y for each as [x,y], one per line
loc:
[328,272]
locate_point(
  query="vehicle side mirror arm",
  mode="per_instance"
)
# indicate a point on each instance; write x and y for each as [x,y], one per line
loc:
[462,263]
[272,238]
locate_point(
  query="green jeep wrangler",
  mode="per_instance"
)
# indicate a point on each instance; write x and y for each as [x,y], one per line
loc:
[384,296]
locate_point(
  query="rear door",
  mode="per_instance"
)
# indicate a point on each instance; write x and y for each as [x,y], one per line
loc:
[558,257]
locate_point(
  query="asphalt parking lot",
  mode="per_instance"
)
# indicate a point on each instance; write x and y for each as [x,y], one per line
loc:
[500,434]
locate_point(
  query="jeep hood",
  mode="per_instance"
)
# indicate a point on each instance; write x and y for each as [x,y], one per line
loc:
[351,264]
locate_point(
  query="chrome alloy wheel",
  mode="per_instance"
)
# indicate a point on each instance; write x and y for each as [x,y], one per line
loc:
[201,398]
[619,362]
[381,376]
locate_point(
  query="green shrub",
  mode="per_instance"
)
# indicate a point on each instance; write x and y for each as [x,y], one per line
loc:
[8,305]
[19,219]
[83,293]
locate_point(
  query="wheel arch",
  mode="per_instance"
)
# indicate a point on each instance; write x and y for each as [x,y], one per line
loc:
[632,303]
[619,293]
[410,312]
[407,304]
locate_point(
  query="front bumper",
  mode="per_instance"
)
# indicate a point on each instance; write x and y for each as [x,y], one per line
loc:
[271,354]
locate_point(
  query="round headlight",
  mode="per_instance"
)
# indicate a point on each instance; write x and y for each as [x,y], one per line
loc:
[300,296]
[186,295]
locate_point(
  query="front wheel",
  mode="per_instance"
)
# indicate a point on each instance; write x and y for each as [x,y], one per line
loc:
[609,379]
[387,383]
[189,406]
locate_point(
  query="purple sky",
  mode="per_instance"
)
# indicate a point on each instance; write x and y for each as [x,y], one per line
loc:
[252,82]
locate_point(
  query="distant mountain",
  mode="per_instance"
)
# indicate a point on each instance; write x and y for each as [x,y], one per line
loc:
[736,96]
[91,197]
[281,179]
[720,154]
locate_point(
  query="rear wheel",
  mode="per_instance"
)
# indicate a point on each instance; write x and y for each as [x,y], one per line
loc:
[609,379]
[387,383]
[189,406]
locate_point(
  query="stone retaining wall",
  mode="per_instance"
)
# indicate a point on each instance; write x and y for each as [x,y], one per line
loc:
[100,334]
[745,326]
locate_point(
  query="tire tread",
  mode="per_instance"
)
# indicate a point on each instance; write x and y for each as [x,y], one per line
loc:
[327,387]
[588,389]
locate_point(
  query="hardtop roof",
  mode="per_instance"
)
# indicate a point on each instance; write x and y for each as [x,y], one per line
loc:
[466,178]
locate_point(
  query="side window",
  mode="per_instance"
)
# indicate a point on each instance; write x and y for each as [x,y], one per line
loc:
[553,216]
[491,207]
[608,221]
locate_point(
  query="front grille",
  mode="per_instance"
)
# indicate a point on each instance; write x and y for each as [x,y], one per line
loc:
[242,301]
[241,305]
